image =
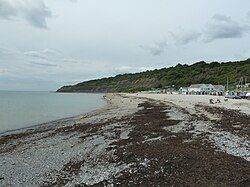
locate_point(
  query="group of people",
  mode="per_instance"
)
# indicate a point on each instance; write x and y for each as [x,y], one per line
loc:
[212,101]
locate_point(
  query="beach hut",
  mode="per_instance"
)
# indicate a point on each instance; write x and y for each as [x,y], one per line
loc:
[219,89]
[183,90]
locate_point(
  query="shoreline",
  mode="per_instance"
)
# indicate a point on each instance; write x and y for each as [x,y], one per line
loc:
[135,139]
[74,117]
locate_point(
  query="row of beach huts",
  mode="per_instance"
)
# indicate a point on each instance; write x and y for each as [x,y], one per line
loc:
[203,89]
[209,89]
[206,89]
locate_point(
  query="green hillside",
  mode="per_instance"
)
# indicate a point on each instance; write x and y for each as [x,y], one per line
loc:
[180,75]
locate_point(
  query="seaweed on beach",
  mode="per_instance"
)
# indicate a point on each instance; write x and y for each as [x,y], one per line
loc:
[172,160]
[231,120]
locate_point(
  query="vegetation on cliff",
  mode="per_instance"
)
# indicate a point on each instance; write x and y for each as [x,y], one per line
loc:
[180,75]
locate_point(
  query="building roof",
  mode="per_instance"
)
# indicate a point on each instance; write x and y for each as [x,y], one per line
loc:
[199,85]
[196,85]
[208,85]
[219,86]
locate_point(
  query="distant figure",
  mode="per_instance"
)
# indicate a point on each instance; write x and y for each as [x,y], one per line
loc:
[218,101]
[211,101]
[225,99]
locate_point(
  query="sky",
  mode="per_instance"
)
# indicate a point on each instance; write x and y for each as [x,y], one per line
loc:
[45,44]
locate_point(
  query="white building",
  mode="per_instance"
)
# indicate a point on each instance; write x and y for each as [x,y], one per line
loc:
[201,88]
[183,90]
[219,88]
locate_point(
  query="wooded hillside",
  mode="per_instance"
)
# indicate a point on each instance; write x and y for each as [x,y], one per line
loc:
[180,75]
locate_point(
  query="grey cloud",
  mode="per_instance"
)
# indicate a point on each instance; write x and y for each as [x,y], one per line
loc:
[157,49]
[6,10]
[2,71]
[34,12]
[51,52]
[43,64]
[43,54]
[35,54]
[222,27]
[69,60]
[37,14]
[185,37]
[220,17]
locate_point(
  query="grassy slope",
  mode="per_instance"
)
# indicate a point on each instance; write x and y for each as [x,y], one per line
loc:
[180,75]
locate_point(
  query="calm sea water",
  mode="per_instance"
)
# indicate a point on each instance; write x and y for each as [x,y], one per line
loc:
[24,109]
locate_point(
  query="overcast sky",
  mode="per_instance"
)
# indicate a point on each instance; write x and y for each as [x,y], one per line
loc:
[45,44]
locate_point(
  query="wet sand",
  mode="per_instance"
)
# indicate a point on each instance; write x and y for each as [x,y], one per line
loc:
[136,140]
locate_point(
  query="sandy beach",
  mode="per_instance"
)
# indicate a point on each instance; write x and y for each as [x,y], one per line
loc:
[136,140]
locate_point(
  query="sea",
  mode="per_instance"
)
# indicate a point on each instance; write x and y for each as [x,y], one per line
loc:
[24,109]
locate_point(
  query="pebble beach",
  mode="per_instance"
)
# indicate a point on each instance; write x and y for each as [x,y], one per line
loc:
[136,140]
